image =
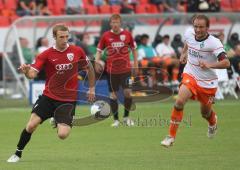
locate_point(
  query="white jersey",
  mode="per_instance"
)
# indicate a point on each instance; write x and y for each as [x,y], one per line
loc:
[207,51]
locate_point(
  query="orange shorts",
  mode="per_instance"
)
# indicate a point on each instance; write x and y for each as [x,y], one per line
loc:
[203,95]
[166,60]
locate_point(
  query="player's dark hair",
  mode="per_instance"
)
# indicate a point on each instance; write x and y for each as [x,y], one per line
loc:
[204,17]
[59,27]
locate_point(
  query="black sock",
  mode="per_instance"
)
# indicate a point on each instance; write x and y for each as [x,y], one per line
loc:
[24,139]
[114,108]
[127,106]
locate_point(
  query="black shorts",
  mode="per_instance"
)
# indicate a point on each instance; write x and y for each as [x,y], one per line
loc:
[117,80]
[46,107]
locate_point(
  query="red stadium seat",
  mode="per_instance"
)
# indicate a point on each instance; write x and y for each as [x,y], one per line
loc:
[4,21]
[115,9]
[141,9]
[152,9]
[59,7]
[104,9]
[236,6]
[50,5]
[13,18]
[85,3]
[1,5]
[91,9]
[10,4]
[226,5]
[213,20]
[143,1]
[224,20]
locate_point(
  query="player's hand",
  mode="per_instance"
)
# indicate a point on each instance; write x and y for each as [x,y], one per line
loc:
[183,59]
[24,68]
[204,65]
[98,67]
[91,95]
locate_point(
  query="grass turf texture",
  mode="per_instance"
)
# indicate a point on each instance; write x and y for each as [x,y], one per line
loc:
[99,146]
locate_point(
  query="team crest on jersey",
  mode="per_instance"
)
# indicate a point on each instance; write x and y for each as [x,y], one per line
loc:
[122,37]
[202,44]
[70,56]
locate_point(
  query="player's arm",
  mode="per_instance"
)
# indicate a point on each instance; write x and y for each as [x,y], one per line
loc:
[135,60]
[97,64]
[222,63]
[91,80]
[29,72]
[183,57]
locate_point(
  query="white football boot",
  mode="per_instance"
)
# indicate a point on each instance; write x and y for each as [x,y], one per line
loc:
[116,123]
[13,159]
[128,122]
[212,130]
[168,141]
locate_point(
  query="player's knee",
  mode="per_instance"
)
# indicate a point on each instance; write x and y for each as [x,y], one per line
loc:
[127,94]
[63,135]
[179,104]
[31,126]
[205,114]
[113,96]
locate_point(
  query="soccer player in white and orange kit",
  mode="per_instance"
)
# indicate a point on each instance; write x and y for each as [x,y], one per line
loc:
[205,53]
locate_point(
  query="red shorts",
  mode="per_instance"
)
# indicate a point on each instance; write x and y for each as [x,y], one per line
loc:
[203,95]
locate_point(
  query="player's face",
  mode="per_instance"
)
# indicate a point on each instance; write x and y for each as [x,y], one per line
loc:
[62,39]
[200,28]
[115,25]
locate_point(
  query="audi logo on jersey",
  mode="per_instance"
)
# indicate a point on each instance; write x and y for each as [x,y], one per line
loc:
[64,67]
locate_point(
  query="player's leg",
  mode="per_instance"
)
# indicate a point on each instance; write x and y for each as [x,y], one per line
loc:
[113,86]
[211,117]
[177,114]
[25,137]
[126,83]
[63,130]
[63,116]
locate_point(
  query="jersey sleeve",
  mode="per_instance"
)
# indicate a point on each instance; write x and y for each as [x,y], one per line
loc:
[101,44]
[39,61]
[218,47]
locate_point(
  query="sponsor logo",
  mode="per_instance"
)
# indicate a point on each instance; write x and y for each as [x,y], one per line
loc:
[70,56]
[117,44]
[64,67]
[122,37]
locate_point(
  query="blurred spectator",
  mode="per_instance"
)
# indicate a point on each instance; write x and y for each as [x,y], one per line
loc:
[99,2]
[157,40]
[144,49]
[229,50]
[42,7]
[114,2]
[169,62]
[145,55]
[235,61]
[164,49]
[74,7]
[192,5]
[42,45]
[173,5]
[214,5]
[177,44]
[126,8]
[26,7]
[27,52]
[233,40]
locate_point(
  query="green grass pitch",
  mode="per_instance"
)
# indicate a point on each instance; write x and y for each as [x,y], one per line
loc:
[98,146]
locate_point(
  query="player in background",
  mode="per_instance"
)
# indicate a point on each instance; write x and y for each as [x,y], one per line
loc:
[61,64]
[118,43]
[205,53]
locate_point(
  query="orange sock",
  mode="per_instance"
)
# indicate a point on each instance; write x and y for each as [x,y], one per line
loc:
[175,74]
[212,119]
[176,119]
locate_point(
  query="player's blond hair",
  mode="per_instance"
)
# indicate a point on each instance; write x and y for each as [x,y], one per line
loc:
[59,27]
[115,16]
[201,16]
